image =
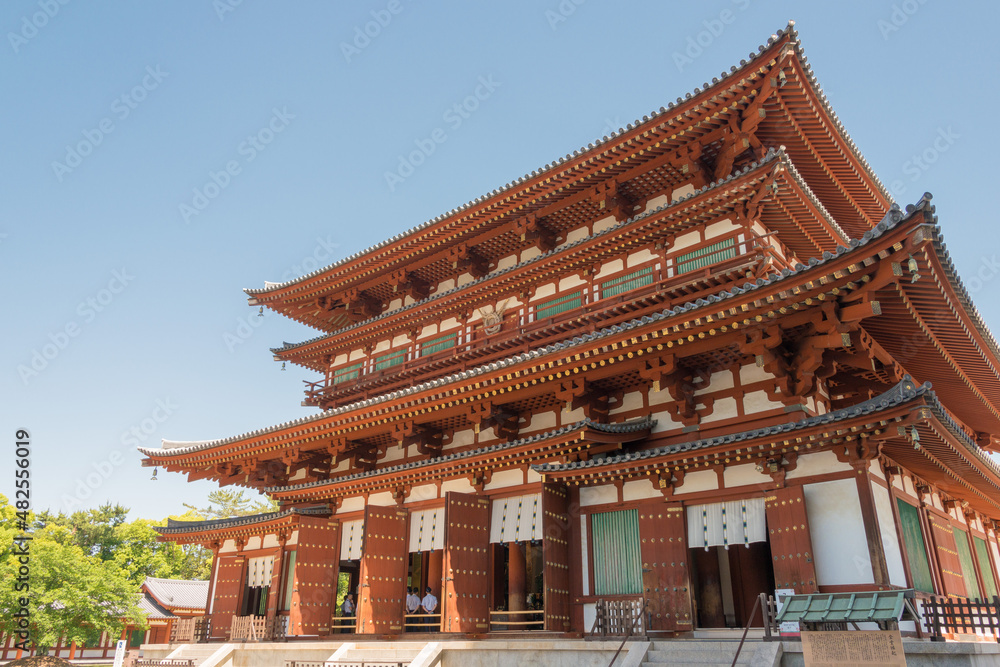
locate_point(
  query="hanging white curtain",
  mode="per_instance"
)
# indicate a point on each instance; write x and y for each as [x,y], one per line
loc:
[352,536]
[725,524]
[517,519]
[427,530]
[259,571]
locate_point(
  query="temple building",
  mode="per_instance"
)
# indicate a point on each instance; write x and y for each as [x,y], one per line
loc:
[703,358]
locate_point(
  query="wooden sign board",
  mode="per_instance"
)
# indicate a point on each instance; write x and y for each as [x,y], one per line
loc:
[860,648]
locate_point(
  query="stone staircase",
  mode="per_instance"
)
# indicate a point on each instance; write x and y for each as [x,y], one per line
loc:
[201,653]
[702,653]
[397,651]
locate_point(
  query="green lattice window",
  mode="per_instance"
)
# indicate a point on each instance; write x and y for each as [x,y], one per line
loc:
[135,638]
[617,558]
[983,556]
[627,282]
[699,259]
[391,359]
[435,345]
[559,304]
[968,567]
[346,373]
[916,551]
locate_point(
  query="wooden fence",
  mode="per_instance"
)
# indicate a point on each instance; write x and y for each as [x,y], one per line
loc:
[945,616]
[257,629]
[619,618]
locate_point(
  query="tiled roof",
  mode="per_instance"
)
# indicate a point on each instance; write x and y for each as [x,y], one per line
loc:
[892,219]
[903,392]
[621,427]
[810,76]
[149,607]
[173,526]
[772,156]
[185,593]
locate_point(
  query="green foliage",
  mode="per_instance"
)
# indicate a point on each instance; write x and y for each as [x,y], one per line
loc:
[74,593]
[228,503]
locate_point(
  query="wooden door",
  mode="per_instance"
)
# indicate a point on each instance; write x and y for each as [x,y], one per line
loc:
[791,546]
[465,604]
[555,553]
[946,550]
[314,583]
[229,585]
[666,579]
[383,571]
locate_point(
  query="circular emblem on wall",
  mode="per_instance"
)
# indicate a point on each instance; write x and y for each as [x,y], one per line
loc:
[492,321]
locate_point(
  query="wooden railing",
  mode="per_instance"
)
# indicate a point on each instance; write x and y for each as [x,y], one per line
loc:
[944,617]
[746,253]
[257,628]
[508,621]
[422,622]
[343,624]
[619,618]
[188,630]
[163,663]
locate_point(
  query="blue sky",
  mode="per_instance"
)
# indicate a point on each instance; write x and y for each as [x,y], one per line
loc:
[161,157]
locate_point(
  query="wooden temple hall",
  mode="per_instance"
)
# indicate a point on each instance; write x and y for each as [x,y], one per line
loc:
[700,359]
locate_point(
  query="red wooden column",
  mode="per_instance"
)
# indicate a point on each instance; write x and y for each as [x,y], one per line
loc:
[383,571]
[433,577]
[317,562]
[666,579]
[791,545]
[465,602]
[517,573]
[555,552]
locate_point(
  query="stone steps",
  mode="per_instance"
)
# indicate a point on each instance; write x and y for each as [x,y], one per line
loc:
[701,653]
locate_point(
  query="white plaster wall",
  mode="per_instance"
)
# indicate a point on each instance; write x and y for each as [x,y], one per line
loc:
[570,282]
[724,226]
[604,223]
[664,421]
[816,463]
[339,359]
[507,262]
[270,541]
[533,476]
[542,421]
[544,291]
[576,235]
[659,397]
[383,499]
[683,191]
[393,453]
[875,468]
[450,323]
[640,489]
[686,241]
[400,340]
[598,495]
[753,373]
[227,547]
[253,544]
[351,505]
[723,408]
[614,266]
[699,480]
[299,474]
[465,279]
[908,486]
[457,485]
[657,201]
[504,478]
[395,304]
[530,253]
[357,354]
[840,548]
[381,346]
[717,382]
[630,401]
[573,416]
[890,538]
[745,475]
[462,439]
[294,539]
[640,257]
[757,401]
[422,492]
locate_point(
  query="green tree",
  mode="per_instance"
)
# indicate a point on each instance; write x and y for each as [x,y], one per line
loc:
[74,594]
[228,503]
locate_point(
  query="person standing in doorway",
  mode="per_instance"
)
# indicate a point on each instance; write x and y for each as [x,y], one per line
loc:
[428,605]
[413,606]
